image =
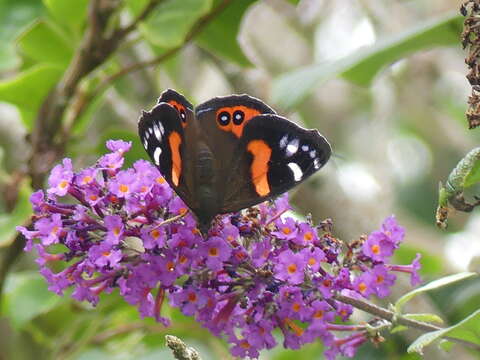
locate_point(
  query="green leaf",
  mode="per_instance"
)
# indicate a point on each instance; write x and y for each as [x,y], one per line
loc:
[171,21]
[468,330]
[44,43]
[291,88]
[14,15]
[136,6]
[220,36]
[398,328]
[438,32]
[436,284]
[27,296]
[28,89]
[468,169]
[432,318]
[68,12]
[20,214]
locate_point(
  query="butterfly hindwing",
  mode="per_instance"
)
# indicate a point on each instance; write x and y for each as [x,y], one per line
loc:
[274,155]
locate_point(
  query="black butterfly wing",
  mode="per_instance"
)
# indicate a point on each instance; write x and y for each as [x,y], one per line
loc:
[163,132]
[273,155]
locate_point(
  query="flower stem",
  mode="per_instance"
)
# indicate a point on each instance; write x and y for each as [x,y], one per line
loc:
[396,318]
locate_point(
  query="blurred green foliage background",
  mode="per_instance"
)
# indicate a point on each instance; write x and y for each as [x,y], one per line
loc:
[384,81]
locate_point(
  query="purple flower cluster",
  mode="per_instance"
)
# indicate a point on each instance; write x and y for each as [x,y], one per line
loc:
[257,271]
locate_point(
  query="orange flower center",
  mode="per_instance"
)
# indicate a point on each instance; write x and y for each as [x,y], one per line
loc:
[116,231]
[380,279]
[240,255]
[123,188]
[296,307]
[54,230]
[312,261]
[244,344]
[192,297]
[213,251]
[183,259]
[155,233]
[63,184]
[170,266]
[292,268]
[376,249]
[318,314]
[93,197]
[308,236]
[160,180]
[86,179]
[286,230]
[106,253]
[362,287]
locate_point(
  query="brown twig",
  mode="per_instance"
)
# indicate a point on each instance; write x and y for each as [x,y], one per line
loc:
[84,99]
[122,33]
[97,45]
[10,256]
[398,319]
[194,31]
[471,42]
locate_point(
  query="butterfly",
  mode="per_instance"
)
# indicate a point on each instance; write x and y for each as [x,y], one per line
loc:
[228,153]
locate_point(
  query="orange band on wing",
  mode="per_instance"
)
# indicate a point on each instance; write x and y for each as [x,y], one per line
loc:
[174,141]
[249,113]
[259,169]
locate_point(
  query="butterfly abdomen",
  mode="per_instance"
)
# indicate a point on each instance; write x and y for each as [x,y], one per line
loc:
[206,190]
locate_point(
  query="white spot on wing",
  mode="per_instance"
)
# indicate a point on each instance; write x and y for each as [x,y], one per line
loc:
[292,147]
[147,135]
[283,141]
[296,171]
[150,130]
[316,164]
[158,134]
[313,153]
[305,148]
[156,155]
[145,144]
[160,126]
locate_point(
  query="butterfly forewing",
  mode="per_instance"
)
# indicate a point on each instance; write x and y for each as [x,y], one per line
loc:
[162,135]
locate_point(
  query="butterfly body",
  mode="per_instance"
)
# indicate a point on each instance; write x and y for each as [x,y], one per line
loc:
[228,153]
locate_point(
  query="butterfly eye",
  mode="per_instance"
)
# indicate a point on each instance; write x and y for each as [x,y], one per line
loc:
[238,117]
[183,116]
[223,118]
